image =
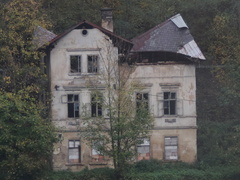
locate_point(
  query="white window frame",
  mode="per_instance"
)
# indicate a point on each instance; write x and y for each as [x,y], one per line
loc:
[145,145]
[171,148]
[84,54]
[168,101]
[96,155]
[72,149]
[79,69]
[76,104]
[172,88]
[95,68]
[98,104]
[142,100]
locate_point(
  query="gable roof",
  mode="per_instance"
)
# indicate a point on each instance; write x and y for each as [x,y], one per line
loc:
[171,36]
[117,40]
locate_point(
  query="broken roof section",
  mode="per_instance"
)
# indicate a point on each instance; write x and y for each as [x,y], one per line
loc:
[171,36]
[42,36]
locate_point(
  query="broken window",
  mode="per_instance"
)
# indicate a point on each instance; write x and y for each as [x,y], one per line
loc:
[75,64]
[96,105]
[73,105]
[169,103]
[74,151]
[171,147]
[142,101]
[97,155]
[92,63]
[143,150]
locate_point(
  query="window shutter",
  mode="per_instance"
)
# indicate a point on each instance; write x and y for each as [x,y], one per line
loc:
[64,99]
[160,104]
[179,107]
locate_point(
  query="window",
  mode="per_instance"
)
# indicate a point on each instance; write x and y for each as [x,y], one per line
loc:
[75,64]
[74,151]
[169,103]
[143,150]
[96,105]
[171,148]
[92,64]
[142,100]
[96,154]
[73,105]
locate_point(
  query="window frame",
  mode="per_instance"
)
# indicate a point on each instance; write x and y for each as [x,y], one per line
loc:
[98,105]
[174,146]
[169,101]
[144,144]
[78,148]
[96,155]
[75,104]
[95,60]
[79,63]
[142,100]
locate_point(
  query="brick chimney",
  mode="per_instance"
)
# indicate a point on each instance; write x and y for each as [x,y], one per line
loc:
[107,19]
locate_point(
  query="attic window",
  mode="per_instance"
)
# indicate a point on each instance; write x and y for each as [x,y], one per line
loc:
[84,32]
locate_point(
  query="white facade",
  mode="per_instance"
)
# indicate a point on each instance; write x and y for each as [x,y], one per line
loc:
[92,51]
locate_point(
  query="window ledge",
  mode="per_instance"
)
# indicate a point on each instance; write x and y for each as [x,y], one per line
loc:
[74,164]
[83,74]
[98,163]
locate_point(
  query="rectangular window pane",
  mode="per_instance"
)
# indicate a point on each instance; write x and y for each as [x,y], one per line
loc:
[92,64]
[75,64]
[96,105]
[73,105]
[143,150]
[142,101]
[74,151]
[171,148]
[77,143]
[169,103]
[70,110]
[71,144]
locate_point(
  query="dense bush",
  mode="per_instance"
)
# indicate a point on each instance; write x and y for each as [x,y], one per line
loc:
[155,170]
[94,174]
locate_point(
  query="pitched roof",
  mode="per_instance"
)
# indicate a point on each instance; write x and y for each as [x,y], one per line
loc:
[117,40]
[42,36]
[171,36]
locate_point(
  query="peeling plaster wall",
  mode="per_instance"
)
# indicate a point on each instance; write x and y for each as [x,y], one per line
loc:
[156,79]
[63,82]
[179,78]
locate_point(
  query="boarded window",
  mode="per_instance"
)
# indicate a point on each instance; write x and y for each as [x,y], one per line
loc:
[171,148]
[92,64]
[143,150]
[75,64]
[142,101]
[97,155]
[169,103]
[73,105]
[96,105]
[74,151]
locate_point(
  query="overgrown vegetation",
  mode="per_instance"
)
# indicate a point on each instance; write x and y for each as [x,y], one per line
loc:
[155,170]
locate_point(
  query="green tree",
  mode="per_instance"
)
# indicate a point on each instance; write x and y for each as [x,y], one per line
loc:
[125,123]
[25,139]
[19,59]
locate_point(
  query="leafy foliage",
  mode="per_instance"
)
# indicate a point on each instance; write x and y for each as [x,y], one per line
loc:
[25,139]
